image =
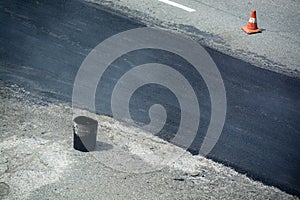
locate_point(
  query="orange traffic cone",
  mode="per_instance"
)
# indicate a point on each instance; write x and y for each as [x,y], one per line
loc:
[252,24]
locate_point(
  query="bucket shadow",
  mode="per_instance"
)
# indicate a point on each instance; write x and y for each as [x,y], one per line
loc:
[103,146]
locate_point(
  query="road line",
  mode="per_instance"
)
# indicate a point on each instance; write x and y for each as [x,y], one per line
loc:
[177,5]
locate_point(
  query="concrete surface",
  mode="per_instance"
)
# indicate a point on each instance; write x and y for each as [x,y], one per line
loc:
[37,160]
[218,24]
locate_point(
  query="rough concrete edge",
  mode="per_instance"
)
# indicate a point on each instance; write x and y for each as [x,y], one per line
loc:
[187,163]
[208,40]
[133,133]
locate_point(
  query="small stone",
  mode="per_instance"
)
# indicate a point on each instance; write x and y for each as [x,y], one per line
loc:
[3,164]
[178,179]
[3,159]
[3,168]
[195,174]
[4,189]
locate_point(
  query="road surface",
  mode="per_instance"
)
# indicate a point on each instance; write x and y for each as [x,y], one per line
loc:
[218,24]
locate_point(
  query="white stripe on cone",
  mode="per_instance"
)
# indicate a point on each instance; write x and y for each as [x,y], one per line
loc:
[252,20]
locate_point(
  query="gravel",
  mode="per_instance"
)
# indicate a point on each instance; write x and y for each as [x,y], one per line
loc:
[37,160]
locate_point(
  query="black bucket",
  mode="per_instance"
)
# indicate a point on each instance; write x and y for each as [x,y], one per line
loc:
[85,133]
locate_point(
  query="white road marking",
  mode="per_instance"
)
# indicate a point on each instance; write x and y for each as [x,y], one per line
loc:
[177,5]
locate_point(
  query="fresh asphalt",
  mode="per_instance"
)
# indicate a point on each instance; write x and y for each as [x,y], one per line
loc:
[43,43]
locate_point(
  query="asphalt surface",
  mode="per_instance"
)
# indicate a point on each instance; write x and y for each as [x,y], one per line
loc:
[42,45]
[218,24]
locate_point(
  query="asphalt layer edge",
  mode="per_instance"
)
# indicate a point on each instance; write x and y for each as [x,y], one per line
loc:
[208,40]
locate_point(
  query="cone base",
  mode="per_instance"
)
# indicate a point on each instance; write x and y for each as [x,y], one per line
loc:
[249,31]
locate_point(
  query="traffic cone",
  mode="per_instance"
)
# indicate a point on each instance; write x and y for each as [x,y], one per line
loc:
[252,24]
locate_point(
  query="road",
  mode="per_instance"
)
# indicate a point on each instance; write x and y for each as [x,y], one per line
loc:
[219,23]
[42,45]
